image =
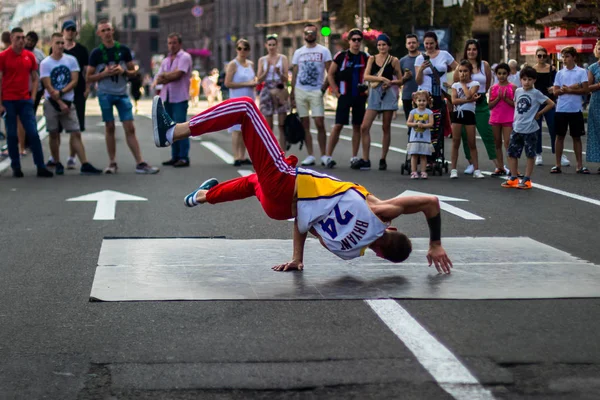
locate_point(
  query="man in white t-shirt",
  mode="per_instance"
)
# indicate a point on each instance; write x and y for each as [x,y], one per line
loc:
[310,65]
[570,84]
[60,73]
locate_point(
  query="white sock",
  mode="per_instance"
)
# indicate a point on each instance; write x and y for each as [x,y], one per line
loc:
[71,159]
[51,159]
[170,133]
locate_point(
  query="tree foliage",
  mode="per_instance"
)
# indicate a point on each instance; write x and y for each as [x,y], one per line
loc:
[398,17]
[520,12]
[87,36]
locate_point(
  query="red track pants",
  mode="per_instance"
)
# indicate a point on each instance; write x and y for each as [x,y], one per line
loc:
[275,177]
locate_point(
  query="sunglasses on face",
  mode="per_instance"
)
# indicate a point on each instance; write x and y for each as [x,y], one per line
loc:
[541,55]
[243,49]
[356,39]
[309,32]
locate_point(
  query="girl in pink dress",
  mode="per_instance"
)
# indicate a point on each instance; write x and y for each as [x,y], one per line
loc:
[502,113]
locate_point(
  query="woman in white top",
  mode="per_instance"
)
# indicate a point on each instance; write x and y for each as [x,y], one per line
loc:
[431,68]
[241,81]
[482,73]
[273,70]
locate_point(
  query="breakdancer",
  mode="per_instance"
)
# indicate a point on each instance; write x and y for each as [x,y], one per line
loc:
[345,217]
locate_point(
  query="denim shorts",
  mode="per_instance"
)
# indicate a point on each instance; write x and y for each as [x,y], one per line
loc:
[382,100]
[122,102]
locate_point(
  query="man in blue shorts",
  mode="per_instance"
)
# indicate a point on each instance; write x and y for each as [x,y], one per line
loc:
[110,65]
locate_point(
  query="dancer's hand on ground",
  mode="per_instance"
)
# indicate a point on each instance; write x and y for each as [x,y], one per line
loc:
[289,266]
[438,257]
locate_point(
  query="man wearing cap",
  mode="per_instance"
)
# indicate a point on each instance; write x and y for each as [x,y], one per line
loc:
[81,54]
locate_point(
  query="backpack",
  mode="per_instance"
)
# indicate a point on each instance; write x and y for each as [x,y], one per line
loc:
[293,130]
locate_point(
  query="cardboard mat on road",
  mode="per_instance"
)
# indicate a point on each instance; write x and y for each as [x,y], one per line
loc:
[222,269]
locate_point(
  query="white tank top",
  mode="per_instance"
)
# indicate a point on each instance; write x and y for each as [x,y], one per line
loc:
[271,74]
[481,78]
[242,74]
[339,213]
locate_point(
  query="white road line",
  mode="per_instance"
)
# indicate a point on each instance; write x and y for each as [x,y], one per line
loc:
[218,151]
[446,369]
[4,164]
[556,191]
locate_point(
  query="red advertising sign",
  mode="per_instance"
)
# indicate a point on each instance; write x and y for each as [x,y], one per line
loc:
[585,30]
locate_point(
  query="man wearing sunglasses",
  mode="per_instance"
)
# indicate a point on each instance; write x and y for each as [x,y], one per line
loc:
[346,81]
[81,54]
[310,64]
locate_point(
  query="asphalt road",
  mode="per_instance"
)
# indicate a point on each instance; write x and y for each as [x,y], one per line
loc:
[56,344]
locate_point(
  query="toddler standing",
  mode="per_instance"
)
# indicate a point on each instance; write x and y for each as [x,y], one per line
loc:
[419,142]
[502,108]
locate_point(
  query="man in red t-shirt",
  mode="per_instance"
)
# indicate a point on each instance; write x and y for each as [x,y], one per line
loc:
[17,68]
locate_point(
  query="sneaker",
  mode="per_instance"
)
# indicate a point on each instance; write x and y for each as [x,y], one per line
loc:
[310,160]
[71,163]
[538,160]
[353,160]
[245,161]
[470,169]
[453,174]
[145,168]
[363,165]
[161,123]
[44,173]
[59,169]
[181,164]
[190,199]
[477,174]
[237,163]
[424,175]
[414,175]
[89,169]
[382,164]
[51,163]
[331,163]
[510,183]
[525,185]
[18,173]
[111,169]
[169,163]
[325,160]
[564,161]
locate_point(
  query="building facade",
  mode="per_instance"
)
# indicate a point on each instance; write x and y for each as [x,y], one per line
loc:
[134,20]
[236,19]
[195,21]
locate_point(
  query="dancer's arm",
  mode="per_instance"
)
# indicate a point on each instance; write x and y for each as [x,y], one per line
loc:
[297,262]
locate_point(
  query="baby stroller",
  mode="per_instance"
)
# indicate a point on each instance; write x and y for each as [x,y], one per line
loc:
[436,163]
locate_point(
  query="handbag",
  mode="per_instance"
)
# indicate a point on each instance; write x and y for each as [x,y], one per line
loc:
[279,94]
[293,130]
[376,84]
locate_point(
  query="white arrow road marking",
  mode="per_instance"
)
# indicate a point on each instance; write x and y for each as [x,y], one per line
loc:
[446,207]
[107,202]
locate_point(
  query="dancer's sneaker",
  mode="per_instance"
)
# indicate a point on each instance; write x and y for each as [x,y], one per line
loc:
[190,199]
[161,123]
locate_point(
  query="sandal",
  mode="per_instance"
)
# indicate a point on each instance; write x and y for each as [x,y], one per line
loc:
[414,175]
[555,170]
[583,170]
[499,172]
[423,175]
